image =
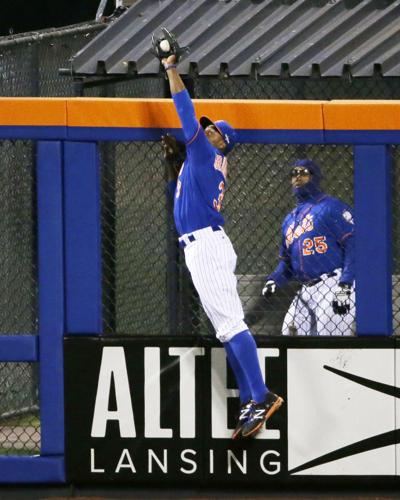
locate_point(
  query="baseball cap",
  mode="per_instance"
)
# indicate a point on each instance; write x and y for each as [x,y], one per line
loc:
[224,128]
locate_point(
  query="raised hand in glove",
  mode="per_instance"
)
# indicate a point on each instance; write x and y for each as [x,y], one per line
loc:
[167,45]
[341,301]
[269,288]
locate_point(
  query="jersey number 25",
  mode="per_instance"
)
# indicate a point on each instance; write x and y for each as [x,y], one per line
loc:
[316,244]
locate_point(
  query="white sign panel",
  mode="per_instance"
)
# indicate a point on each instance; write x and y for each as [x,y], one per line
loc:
[341,418]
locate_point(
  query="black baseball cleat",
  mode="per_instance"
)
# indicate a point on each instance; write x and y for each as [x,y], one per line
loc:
[244,415]
[260,413]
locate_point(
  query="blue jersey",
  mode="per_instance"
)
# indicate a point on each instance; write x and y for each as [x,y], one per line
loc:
[201,182]
[317,238]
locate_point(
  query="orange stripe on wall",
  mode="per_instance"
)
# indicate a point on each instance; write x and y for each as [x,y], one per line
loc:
[362,115]
[32,111]
[160,113]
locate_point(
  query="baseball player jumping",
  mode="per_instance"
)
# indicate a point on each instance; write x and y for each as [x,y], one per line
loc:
[317,250]
[209,253]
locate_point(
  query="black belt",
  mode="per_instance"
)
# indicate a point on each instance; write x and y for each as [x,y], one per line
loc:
[318,280]
[191,237]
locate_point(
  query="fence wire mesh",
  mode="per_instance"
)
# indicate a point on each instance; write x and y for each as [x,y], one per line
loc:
[147,287]
[19,426]
[297,88]
[29,63]
[17,238]
[19,415]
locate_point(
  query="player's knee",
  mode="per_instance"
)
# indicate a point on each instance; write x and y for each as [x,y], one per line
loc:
[229,329]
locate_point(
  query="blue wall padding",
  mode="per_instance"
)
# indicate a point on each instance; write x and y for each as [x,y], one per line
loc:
[82,238]
[154,134]
[362,136]
[373,243]
[51,296]
[18,348]
[31,470]
[33,132]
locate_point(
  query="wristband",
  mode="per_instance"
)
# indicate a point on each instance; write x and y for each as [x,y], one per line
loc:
[169,66]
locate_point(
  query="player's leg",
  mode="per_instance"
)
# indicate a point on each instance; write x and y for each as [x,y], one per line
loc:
[297,320]
[227,313]
[240,376]
[212,263]
[211,270]
[264,402]
[244,348]
[329,323]
[245,392]
[309,305]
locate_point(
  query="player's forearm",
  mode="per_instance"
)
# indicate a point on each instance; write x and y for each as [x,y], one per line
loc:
[175,81]
[348,260]
[185,109]
[282,274]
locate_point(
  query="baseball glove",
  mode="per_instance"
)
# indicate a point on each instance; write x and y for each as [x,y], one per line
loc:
[167,45]
[174,155]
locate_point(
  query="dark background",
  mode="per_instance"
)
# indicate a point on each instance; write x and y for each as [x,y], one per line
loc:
[18,16]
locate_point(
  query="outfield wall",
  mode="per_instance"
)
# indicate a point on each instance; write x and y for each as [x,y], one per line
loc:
[67,132]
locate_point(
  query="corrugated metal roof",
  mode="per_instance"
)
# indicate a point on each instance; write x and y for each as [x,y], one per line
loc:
[243,36]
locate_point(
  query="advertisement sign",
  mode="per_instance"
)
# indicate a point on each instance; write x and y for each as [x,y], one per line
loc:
[163,411]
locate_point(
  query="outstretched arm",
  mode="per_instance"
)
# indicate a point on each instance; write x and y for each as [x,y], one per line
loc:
[180,95]
[176,84]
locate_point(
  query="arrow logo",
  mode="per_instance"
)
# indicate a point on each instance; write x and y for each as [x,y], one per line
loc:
[372,443]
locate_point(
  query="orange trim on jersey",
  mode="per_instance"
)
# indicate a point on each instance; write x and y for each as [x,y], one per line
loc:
[195,135]
[28,111]
[345,236]
[361,115]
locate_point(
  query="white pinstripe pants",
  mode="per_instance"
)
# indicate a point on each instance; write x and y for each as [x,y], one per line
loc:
[310,312]
[211,261]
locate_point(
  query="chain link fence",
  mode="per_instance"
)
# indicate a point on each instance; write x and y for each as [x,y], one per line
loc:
[17,238]
[30,62]
[297,88]
[19,425]
[19,409]
[147,287]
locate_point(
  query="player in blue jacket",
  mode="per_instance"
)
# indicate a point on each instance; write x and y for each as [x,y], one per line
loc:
[317,250]
[209,253]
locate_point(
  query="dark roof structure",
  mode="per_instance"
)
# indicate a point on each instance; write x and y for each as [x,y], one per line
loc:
[244,37]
